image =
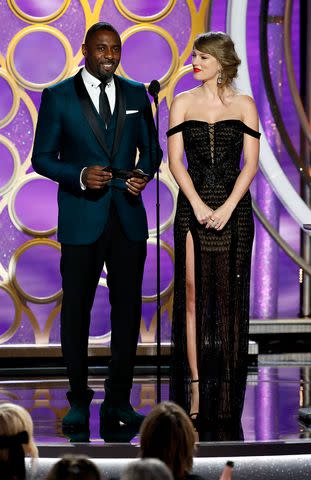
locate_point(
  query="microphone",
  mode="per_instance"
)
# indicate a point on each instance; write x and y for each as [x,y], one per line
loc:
[154,89]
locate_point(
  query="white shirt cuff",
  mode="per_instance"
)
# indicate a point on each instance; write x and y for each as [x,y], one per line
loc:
[83,187]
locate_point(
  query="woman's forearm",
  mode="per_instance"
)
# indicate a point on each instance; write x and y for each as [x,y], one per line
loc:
[184,181]
[241,185]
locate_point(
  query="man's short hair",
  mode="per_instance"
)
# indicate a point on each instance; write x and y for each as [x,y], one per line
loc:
[100,26]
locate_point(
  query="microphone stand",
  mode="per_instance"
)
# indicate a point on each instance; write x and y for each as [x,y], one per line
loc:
[156,102]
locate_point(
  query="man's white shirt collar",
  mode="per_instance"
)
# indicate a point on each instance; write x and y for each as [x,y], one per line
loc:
[93,81]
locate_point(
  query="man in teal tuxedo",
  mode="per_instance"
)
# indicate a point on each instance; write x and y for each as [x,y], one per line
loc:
[89,129]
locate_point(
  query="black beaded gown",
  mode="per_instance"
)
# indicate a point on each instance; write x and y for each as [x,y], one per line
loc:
[222,279]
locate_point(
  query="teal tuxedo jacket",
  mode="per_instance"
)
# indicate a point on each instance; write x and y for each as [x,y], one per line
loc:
[71,135]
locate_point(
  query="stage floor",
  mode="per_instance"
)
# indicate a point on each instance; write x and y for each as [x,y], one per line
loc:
[274,395]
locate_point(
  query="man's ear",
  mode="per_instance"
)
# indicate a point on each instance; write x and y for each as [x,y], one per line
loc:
[84,49]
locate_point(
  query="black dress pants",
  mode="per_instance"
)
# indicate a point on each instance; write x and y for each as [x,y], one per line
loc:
[81,266]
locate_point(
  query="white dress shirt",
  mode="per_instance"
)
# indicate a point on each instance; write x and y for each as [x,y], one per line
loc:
[92,85]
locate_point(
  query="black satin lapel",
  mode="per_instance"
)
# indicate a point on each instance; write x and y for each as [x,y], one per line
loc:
[121,113]
[89,111]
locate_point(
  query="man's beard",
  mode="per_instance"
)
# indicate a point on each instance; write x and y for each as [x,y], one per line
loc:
[103,75]
[99,73]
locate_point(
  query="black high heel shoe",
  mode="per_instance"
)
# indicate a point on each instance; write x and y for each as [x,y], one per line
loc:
[194,416]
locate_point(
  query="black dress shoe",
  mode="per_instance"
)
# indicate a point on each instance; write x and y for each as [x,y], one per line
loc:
[77,419]
[111,416]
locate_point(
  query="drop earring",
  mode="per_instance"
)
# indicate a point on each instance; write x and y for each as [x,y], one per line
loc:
[220,78]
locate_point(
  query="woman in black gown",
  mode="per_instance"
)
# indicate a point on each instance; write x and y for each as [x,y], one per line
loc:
[213,233]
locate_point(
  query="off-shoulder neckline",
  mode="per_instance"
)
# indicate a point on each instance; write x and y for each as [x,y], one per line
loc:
[246,128]
[213,123]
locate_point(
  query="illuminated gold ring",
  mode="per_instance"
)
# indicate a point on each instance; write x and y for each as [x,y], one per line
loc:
[12,270]
[12,212]
[173,82]
[163,293]
[164,226]
[17,317]
[138,18]
[99,339]
[16,99]
[30,18]
[37,87]
[2,61]
[164,34]
[44,337]
[16,160]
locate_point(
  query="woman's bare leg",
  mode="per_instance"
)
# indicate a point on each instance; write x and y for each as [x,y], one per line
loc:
[191,323]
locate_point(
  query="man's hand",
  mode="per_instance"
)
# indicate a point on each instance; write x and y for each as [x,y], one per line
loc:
[96,177]
[136,184]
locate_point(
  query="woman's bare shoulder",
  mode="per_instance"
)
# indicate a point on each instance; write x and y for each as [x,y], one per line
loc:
[186,96]
[245,106]
[243,100]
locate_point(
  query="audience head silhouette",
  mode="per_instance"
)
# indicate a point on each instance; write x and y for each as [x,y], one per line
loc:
[74,467]
[167,433]
[147,469]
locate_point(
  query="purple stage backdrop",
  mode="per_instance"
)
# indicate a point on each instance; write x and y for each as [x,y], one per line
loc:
[39,46]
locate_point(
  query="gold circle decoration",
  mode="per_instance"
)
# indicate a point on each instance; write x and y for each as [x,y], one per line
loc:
[169,249]
[17,316]
[164,226]
[164,34]
[2,61]
[12,270]
[139,18]
[31,19]
[173,82]
[16,161]
[37,87]
[12,212]
[16,98]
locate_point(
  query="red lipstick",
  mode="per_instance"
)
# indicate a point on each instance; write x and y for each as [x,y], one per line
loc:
[196,70]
